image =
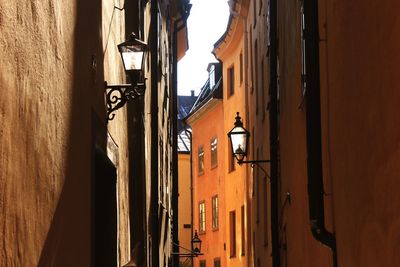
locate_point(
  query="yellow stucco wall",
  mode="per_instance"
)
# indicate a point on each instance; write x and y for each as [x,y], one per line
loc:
[184,205]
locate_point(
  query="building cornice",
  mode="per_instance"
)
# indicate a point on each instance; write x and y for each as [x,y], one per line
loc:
[234,30]
[210,105]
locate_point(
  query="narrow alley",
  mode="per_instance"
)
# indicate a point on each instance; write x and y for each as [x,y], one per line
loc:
[124,145]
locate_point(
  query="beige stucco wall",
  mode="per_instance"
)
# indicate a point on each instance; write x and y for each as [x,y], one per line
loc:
[51,84]
[113,33]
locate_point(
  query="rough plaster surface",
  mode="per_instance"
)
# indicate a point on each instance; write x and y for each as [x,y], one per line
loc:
[34,104]
[48,89]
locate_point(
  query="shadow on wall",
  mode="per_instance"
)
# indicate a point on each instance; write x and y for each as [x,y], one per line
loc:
[68,241]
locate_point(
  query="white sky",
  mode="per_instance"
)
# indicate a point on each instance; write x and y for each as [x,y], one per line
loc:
[206,24]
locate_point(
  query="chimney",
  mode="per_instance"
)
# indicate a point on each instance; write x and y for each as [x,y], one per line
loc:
[192,93]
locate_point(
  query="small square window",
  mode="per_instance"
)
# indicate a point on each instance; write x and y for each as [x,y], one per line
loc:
[241,67]
[215,205]
[232,234]
[231,159]
[201,160]
[214,159]
[231,81]
[217,262]
[202,217]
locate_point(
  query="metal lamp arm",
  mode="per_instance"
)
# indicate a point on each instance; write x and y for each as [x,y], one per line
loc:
[256,163]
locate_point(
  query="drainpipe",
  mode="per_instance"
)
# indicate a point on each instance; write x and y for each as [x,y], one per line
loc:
[273,115]
[191,190]
[313,125]
[154,201]
[174,100]
[175,190]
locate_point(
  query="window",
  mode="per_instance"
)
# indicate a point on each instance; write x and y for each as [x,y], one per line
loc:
[253,156]
[254,13]
[231,158]
[217,262]
[202,217]
[254,245]
[267,17]
[241,67]
[214,202]
[214,159]
[201,160]
[263,89]
[251,60]
[257,173]
[203,263]
[232,233]
[243,233]
[303,50]
[256,85]
[212,76]
[265,211]
[231,81]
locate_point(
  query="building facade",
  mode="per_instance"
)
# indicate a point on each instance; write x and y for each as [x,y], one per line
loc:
[89,198]
[324,117]
[208,170]
[230,50]
[337,98]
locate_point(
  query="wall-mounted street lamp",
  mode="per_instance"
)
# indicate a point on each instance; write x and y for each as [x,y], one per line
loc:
[239,139]
[133,52]
[196,248]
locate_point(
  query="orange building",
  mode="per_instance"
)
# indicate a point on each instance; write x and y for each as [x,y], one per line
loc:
[230,49]
[339,93]
[208,170]
[257,62]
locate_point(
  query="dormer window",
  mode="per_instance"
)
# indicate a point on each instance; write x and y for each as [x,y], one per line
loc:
[212,76]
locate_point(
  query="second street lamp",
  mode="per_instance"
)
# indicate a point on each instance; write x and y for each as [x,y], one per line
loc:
[239,139]
[196,244]
[196,248]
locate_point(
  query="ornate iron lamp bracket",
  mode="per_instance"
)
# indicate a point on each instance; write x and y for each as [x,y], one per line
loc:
[118,95]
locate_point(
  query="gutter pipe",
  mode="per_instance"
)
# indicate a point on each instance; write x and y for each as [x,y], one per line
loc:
[273,115]
[313,129]
[174,104]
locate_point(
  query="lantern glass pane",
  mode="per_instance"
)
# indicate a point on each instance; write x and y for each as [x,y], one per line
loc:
[238,137]
[132,60]
[239,157]
[196,247]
